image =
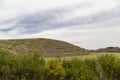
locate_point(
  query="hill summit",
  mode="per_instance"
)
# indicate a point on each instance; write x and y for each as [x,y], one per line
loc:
[46,47]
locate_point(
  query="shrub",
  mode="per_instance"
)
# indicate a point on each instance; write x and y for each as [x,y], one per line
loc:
[33,67]
[80,70]
[17,67]
[55,70]
[111,66]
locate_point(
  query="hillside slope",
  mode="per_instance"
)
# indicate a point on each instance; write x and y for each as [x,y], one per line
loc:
[108,49]
[46,47]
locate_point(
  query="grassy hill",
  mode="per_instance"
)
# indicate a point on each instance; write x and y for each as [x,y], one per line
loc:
[46,47]
[108,49]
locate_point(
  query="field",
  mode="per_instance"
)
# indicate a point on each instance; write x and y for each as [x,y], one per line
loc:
[46,47]
[88,56]
[95,66]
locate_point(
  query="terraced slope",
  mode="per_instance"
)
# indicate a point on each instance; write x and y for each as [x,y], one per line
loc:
[108,49]
[46,47]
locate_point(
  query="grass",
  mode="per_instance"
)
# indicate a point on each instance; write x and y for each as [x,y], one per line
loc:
[29,65]
[84,67]
[87,56]
[45,47]
[95,66]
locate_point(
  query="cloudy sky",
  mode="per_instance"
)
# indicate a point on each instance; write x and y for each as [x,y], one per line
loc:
[90,24]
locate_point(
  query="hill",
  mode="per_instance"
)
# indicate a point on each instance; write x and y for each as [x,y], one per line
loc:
[108,49]
[46,47]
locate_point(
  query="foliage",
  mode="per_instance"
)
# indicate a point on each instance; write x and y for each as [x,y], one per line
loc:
[47,47]
[33,67]
[16,67]
[55,70]
[80,70]
[111,66]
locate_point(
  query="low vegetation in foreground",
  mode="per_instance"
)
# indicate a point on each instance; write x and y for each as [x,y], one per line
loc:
[33,67]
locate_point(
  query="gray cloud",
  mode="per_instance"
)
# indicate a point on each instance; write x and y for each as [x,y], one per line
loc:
[91,30]
[41,21]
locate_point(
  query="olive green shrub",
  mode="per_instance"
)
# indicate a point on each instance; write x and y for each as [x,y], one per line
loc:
[32,67]
[55,70]
[111,66]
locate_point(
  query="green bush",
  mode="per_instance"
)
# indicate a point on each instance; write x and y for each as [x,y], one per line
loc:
[16,67]
[111,66]
[33,67]
[55,70]
[80,70]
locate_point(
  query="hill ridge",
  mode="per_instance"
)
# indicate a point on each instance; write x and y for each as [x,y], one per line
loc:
[46,47]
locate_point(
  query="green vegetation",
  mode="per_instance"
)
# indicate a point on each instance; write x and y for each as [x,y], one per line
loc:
[20,67]
[91,55]
[108,49]
[23,60]
[33,67]
[45,47]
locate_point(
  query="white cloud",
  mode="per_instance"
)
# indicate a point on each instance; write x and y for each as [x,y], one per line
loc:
[93,7]
[101,34]
[14,8]
[90,38]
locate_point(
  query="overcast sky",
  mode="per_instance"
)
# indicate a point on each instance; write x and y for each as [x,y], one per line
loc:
[90,24]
